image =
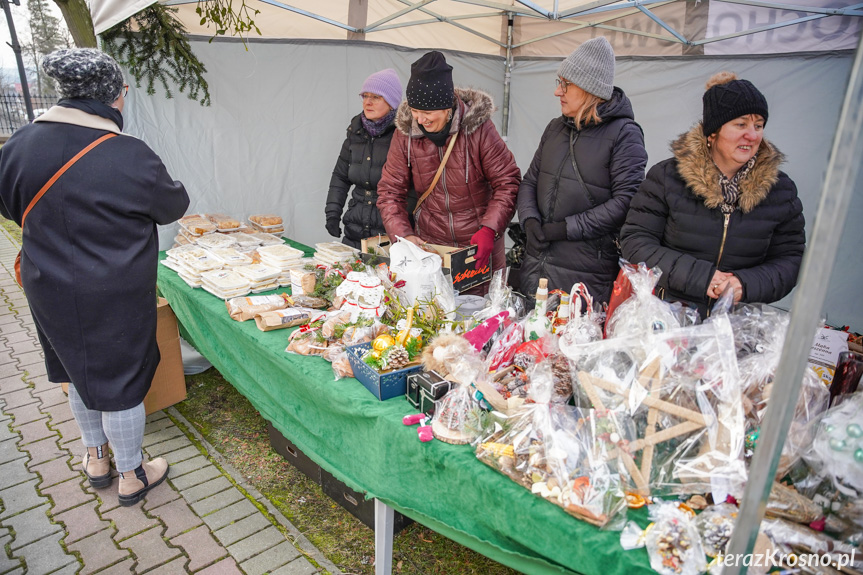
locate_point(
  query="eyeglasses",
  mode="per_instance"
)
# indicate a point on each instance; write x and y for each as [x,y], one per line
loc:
[125,89]
[373,97]
[562,84]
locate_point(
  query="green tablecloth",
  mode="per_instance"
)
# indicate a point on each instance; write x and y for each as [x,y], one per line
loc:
[363,442]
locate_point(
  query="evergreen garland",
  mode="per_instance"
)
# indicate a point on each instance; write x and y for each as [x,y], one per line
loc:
[152,44]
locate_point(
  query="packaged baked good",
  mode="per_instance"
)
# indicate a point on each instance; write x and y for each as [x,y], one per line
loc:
[197,224]
[199,260]
[223,222]
[266,220]
[266,239]
[215,241]
[245,308]
[308,301]
[283,318]
[231,257]
[245,240]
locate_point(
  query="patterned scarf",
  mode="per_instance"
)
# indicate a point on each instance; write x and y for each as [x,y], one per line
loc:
[377,127]
[731,186]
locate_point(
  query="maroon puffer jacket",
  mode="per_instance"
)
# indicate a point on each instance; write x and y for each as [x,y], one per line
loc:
[478,186]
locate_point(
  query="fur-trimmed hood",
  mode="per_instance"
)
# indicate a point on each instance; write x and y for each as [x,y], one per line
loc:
[697,169]
[475,107]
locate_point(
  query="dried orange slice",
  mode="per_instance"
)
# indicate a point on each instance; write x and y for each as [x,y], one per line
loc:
[635,501]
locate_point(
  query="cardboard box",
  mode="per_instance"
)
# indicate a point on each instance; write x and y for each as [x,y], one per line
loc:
[169,382]
[825,350]
[458,263]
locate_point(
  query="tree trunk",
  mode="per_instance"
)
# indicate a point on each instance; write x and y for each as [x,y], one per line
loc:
[78,20]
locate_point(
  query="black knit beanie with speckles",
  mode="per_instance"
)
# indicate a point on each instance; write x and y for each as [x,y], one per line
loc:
[430,86]
[85,73]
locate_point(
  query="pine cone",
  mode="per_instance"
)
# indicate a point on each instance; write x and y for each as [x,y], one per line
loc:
[397,357]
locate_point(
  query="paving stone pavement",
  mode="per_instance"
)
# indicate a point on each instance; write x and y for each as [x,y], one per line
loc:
[205,519]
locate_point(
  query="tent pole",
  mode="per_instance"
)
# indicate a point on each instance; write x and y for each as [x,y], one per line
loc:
[842,172]
[507,78]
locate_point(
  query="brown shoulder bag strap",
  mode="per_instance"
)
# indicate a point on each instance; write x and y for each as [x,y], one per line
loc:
[60,172]
[437,175]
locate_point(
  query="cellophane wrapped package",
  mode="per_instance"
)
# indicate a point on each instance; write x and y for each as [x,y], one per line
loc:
[837,452]
[759,334]
[642,312]
[459,417]
[549,448]
[715,525]
[585,321]
[673,543]
[681,388]
[500,298]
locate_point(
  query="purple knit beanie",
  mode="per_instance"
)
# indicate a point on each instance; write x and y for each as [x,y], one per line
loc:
[385,83]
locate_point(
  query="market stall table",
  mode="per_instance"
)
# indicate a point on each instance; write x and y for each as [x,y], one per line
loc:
[363,443]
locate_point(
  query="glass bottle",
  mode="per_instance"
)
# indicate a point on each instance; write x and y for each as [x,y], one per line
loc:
[562,317]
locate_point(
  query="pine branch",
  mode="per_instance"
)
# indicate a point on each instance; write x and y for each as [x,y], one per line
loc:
[158,51]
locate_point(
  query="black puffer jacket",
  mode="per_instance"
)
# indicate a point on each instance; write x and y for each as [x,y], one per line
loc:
[676,223]
[610,157]
[360,164]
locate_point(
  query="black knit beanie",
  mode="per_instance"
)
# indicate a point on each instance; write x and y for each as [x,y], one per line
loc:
[730,100]
[430,86]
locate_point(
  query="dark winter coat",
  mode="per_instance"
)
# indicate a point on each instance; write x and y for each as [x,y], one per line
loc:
[359,165]
[592,199]
[676,223]
[90,248]
[477,188]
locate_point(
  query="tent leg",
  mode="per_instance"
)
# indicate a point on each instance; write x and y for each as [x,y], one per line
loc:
[384,522]
[507,78]
[842,172]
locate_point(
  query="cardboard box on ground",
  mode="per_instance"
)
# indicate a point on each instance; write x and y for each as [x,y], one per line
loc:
[458,263]
[169,383]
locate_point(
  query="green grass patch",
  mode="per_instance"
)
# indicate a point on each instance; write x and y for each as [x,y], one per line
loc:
[13,229]
[233,427]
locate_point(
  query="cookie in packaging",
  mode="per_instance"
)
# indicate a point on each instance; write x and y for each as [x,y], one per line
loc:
[715,525]
[245,308]
[672,542]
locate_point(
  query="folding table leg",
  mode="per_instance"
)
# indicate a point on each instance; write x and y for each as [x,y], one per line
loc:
[384,521]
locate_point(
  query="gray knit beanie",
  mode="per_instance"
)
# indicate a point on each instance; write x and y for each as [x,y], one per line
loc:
[85,73]
[591,67]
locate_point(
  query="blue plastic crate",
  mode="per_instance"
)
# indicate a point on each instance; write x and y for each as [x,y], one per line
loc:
[383,385]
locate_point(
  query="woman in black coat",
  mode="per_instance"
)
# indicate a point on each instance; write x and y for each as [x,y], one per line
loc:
[720,213]
[575,195]
[362,159]
[89,257]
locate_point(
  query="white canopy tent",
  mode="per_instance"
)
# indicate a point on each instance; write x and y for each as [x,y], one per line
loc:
[280,107]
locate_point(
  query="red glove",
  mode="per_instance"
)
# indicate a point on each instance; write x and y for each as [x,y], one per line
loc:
[484,240]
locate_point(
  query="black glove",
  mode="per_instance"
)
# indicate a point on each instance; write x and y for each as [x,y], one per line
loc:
[535,236]
[333,227]
[554,232]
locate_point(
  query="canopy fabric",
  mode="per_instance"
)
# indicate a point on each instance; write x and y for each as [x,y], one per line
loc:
[543,27]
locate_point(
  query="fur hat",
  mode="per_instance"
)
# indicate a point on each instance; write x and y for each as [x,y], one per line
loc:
[85,73]
[728,98]
[591,68]
[430,86]
[385,83]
